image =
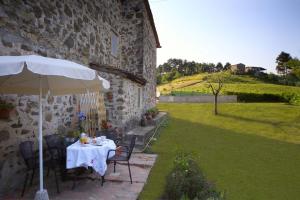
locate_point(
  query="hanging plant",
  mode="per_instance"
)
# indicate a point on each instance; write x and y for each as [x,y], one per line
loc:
[109,96]
[5,109]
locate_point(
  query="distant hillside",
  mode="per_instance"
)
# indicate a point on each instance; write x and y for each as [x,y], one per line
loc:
[196,84]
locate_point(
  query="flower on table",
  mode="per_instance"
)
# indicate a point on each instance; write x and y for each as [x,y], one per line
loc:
[105,125]
[81,116]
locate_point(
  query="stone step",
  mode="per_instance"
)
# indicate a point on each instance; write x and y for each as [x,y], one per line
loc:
[144,133]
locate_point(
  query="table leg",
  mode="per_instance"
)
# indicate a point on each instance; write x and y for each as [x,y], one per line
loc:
[102,180]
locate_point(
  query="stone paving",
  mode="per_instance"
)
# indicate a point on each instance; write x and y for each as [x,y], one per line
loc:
[116,186]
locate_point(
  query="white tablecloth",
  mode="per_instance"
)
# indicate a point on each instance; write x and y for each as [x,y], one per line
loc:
[89,155]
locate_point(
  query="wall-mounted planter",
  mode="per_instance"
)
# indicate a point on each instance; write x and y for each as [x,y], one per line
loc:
[109,96]
[4,113]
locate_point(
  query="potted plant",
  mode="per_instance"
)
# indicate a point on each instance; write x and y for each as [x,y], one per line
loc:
[72,136]
[109,96]
[5,109]
[105,126]
[143,120]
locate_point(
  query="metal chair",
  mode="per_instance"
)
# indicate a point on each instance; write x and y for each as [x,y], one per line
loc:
[57,150]
[31,161]
[122,154]
[110,134]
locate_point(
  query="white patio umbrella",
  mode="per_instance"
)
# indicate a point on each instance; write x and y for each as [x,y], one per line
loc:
[36,75]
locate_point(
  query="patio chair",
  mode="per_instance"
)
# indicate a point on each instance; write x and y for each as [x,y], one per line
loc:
[110,134]
[122,154]
[57,150]
[31,161]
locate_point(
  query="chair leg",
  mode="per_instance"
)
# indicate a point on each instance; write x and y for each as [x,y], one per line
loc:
[33,171]
[115,162]
[129,171]
[24,185]
[102,180]
[74,184]
[56,181]
[48,171]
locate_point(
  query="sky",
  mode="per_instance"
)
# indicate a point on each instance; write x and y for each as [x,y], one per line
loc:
[253,32]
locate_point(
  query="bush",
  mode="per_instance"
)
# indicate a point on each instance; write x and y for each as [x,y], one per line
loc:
[152,111]
[186,181]
[291,98]
[255,97]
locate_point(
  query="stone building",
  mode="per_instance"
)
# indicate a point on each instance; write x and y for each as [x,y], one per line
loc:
[116,37]
[238,68]
[254,70]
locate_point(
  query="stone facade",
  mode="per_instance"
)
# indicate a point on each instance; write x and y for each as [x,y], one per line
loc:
[79,31]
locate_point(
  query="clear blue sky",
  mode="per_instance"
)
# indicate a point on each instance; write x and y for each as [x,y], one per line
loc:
[252,32]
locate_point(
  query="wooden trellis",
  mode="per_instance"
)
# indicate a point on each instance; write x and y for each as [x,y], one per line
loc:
[92,105]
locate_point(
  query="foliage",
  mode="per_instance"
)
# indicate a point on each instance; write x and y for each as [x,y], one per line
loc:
[219,79]
[105,125]
[186,181]
[175,68]
[152,111]
[227,66]
[5,105]
[73,134]
[255,97]
[82,121]
[294,64]
[250,150]
[281,61]
[196,85]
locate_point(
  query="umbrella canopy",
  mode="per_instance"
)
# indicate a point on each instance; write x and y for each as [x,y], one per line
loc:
[36,75]
[25,75]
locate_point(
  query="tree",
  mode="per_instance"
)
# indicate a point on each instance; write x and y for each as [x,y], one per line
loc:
[215,82]
[226,66]
[294,65]
[219,67]
[281,61]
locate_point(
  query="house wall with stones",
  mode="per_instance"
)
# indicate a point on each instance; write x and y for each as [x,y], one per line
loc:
[79,31]
[149,64]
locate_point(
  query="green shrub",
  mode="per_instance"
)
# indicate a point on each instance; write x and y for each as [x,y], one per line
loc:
[186,181]
[152,111]
[292,98]
[5,105]
[256,97]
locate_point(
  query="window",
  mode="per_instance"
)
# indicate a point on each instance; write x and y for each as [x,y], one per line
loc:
[114,44]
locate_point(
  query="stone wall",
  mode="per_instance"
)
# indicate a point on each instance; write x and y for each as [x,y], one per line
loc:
[149,64]
[198,99]
[79,31]
[22,125]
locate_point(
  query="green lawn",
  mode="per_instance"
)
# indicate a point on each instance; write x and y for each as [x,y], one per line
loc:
[251,151]
[236,83]
[258,88]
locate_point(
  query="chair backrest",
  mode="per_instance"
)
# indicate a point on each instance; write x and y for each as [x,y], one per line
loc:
[131,146]
[56,146]
[27,153]
[109,135]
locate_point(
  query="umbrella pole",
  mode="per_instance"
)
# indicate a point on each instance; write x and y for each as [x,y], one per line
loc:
[41,194]
[41,140]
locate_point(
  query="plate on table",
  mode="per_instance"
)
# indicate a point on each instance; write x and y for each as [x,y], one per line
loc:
[97,144]
[85,145]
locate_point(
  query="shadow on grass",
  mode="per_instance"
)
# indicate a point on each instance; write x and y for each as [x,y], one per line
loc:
[245,166]
[275,124]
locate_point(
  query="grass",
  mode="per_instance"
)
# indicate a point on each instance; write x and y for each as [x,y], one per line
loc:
[237,83]
[251,151]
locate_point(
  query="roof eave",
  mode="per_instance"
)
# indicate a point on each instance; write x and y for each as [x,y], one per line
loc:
[149,13]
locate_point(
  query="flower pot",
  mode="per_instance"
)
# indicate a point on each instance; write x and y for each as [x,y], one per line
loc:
[110,96]
[4,113]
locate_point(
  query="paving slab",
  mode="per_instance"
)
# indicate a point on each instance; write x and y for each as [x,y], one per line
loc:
[117,185]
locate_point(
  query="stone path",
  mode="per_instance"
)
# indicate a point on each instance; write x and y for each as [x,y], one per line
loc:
[117,185]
